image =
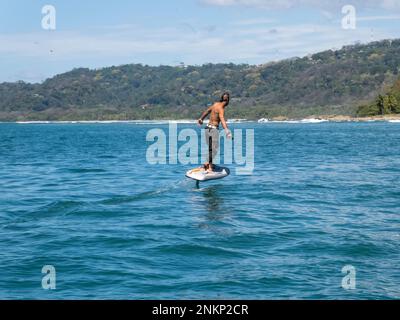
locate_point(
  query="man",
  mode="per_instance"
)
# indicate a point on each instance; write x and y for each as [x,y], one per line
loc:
[217,116]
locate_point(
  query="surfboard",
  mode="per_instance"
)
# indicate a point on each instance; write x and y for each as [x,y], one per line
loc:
[200,174]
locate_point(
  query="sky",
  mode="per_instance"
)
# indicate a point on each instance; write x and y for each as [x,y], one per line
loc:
[96,34]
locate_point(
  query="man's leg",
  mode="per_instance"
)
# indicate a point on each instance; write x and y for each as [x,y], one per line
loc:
[210,153]
[208,140]
[213,146]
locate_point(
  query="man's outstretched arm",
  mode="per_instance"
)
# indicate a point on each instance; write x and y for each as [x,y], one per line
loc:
[204,115]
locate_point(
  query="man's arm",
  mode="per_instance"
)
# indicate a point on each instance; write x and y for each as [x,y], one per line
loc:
[204,115]
[224,124]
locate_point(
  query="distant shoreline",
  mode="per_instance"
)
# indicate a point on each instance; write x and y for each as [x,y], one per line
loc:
[341,118]
[281,119]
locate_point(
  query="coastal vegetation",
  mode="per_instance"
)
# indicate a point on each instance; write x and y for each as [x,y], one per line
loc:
[332,82]
[384,104]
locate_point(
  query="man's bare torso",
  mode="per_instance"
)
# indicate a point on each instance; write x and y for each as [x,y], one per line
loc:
[214,114]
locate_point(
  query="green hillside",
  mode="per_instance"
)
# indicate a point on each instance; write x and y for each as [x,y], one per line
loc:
[330,82]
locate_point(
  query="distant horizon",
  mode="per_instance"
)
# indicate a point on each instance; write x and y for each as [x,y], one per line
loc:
[391,118]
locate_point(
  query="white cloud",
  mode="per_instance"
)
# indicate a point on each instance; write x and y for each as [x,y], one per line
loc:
[390,4]
[377,18]
[321,4]
[249,22]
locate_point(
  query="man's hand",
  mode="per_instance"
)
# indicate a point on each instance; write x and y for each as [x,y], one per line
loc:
[228,133]
[203,116]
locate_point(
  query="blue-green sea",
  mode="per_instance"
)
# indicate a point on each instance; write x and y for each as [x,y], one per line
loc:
[84,199]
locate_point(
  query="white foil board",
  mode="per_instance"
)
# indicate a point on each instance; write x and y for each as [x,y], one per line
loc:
[200,174]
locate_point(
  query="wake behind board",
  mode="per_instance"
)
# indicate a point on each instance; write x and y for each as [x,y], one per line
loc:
[200,174]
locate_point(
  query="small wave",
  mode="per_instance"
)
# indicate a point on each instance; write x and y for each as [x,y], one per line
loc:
[288,121]
[86,170]
[196,249]
[313,120]
[32,122]
[109,122]
[281,121]
[116,200]
[162,122]
[107,157]
[305,121]
[238,120]
[126,199]
[60,207]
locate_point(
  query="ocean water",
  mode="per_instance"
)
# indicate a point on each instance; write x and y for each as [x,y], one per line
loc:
[82,198]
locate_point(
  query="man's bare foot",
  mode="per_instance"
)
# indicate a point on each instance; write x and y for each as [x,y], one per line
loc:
[210,168]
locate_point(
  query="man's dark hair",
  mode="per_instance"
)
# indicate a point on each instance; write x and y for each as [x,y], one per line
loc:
[225,94]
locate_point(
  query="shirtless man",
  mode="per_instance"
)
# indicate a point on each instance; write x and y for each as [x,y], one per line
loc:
[217,116]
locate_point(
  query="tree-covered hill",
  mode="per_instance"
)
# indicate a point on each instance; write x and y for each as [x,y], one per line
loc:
[323,83]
